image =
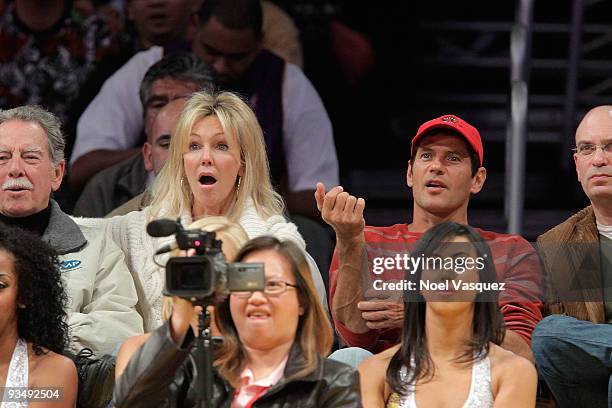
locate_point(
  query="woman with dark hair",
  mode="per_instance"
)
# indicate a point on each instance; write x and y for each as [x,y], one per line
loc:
[272,355]
[33,329]
[450,354]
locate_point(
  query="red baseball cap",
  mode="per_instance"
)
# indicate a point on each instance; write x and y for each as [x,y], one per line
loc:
[453,122]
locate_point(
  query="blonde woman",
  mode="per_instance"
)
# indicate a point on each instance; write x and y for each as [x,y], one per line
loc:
[232,237]
[216,165]
[274,343]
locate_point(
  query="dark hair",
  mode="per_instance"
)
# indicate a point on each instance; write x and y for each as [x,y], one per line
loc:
[314,332]
[487,321]
[234,14]
[42,320]
[471,152]
[177,66]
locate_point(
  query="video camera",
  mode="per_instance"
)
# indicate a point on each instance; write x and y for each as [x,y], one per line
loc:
[207,274]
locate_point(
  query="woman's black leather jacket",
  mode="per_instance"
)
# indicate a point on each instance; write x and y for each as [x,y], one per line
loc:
[159,374]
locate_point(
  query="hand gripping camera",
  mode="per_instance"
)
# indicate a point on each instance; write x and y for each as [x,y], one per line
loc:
[207,274]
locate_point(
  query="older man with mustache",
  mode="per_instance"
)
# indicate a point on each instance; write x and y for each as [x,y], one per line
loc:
[573,346]
[101,290]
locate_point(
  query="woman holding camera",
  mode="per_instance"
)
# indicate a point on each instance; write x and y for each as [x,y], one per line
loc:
[217,165]
[33,329]
[450,354]
[232,237]
[273,346]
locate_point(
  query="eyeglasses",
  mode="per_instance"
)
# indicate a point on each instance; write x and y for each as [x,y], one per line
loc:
[271,288]
[587,149]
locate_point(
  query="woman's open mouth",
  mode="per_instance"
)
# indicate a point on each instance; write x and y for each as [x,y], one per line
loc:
[207,180]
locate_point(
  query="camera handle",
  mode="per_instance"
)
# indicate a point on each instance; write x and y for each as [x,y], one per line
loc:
[203,355]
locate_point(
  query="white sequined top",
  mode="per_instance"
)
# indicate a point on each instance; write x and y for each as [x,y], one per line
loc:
[480,395]
[17,377]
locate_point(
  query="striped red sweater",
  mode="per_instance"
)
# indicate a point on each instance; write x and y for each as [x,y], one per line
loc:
[516,262]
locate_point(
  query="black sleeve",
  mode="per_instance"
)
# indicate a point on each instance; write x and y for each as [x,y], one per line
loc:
[151,370]
[343,389]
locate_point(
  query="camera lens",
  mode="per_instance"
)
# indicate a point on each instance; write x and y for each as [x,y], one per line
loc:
[192,277]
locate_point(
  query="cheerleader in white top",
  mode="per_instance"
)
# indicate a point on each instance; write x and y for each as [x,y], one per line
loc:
[33,329]
[450,354]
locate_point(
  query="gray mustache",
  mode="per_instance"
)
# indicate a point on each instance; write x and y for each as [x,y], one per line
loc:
[20,182]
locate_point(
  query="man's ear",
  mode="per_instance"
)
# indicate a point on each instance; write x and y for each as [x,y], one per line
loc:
[409,175]
[576,165]
[478,180]
[58,175]
[147,154]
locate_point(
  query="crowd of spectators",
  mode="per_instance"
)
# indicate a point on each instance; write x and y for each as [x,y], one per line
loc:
[115,114]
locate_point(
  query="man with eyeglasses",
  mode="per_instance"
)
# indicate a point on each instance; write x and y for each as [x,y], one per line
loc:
[573,345]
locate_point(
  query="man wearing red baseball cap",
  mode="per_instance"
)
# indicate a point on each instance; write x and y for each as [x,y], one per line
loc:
[456,125]
[445,169]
